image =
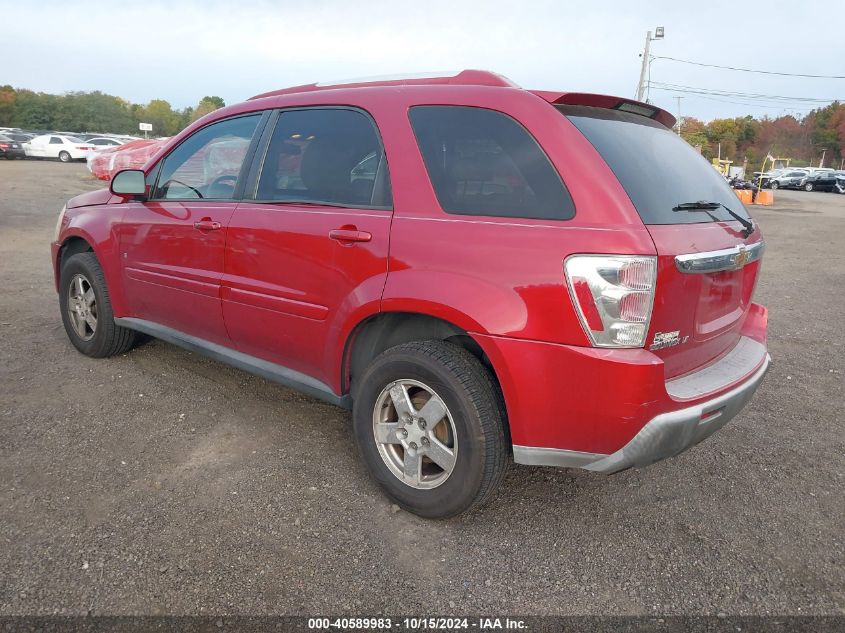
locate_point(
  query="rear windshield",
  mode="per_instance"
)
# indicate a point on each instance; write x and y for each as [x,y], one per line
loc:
[657,168]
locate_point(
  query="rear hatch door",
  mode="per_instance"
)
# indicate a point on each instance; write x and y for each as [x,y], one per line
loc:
[708,259]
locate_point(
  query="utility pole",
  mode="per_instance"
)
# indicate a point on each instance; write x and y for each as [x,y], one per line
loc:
[658,35]
[641,85]
[679,117]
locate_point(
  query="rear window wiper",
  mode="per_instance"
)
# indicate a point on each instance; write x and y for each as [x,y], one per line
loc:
[704,205]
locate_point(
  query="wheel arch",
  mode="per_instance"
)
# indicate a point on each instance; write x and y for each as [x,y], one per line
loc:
[383,330]
[72,245]
[76,240]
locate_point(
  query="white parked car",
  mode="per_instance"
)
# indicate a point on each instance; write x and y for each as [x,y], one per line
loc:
[99,143]
[65,148]
[102,142]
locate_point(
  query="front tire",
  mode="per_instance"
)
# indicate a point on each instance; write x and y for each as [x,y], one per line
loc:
[86,309]
[429,425]
[64,156]
[774,184]
[808,186]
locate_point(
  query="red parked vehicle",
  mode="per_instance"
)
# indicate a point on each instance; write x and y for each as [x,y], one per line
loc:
[473,268]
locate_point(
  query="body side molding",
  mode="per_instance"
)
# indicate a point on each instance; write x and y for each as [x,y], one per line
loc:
[271,371]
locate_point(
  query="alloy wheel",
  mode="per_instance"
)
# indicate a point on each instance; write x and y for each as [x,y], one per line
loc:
[82,307]
[415,434]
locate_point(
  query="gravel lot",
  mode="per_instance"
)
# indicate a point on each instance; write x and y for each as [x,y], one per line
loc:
[162,482]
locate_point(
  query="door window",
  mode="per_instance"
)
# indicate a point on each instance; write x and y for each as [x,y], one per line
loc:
[208,163]
[328,155]
[55,140]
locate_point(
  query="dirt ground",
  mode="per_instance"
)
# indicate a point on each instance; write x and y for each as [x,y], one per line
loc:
[163,482]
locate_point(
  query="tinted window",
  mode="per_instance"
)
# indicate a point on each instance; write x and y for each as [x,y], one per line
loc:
[55,140]
[482,162]
[657,168]
[208,163]
[325,155]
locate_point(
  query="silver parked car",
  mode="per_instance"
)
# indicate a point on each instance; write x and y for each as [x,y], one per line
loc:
[790,179]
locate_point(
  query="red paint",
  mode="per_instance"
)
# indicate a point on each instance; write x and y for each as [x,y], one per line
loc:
[290,283]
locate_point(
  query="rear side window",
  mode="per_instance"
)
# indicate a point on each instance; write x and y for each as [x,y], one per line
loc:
[483,162]
[657,168]
[325,155]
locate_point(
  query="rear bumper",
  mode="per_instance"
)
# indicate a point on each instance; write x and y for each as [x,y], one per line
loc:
[607,410]
[663,436]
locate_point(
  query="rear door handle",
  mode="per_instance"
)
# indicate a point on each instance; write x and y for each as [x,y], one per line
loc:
[207,224]
[350,235]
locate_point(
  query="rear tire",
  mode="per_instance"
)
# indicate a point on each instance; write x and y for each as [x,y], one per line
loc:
[64,156]
[86,309]
[441,466]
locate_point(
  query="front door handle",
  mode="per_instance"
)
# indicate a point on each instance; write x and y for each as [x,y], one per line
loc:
[350,235]
[207,224]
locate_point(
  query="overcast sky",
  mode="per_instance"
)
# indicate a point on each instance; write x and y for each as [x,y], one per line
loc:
[182,50]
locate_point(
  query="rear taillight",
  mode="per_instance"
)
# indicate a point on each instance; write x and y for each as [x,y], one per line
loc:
[613,295]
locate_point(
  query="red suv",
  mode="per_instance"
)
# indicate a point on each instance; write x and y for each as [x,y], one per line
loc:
[476,270]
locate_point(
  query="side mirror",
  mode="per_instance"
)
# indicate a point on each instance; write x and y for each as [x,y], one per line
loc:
[129,182]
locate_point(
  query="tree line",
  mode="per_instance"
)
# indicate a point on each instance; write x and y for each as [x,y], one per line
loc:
[738,139]
[95,112]
[804,139]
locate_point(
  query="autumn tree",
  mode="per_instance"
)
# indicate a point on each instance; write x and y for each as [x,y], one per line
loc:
[159,113]
[694,132]
[206,106]
[7,105]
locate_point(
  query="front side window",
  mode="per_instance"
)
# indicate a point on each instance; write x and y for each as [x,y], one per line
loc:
[208,163]
[55,140]
[325,155]
[483,162]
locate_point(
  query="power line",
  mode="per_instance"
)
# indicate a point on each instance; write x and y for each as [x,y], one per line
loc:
[783,107]
[748,70]
[659,85]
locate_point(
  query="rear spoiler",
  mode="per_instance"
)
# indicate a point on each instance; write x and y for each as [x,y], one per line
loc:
[606,101]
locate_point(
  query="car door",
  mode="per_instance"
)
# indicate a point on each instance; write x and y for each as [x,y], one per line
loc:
[54,146]
[827,181]
[311,245]
[37,146]
[172,243]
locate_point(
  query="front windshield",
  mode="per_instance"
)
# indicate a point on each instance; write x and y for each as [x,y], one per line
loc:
[657,168]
